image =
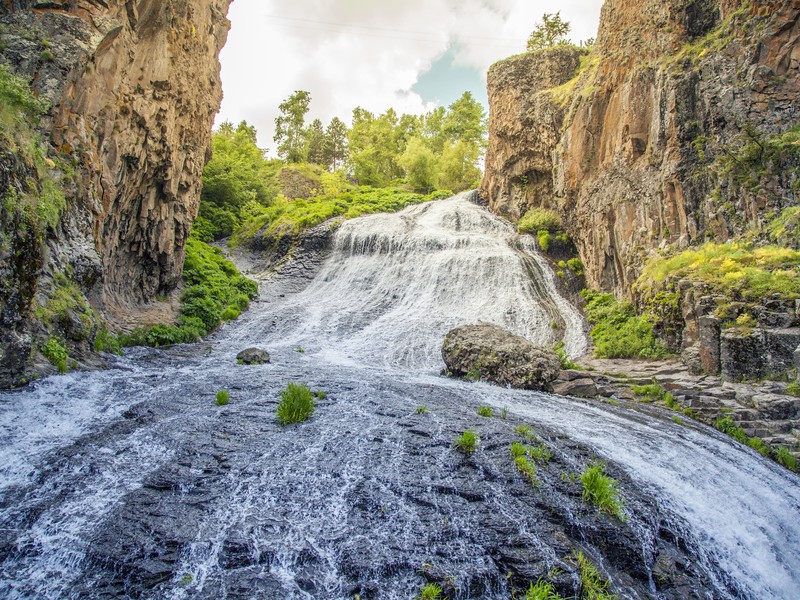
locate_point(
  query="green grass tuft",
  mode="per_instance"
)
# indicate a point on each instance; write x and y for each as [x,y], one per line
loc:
[297,404]
[223,398]
[467,442]
[542,590]
[539,219]
[57,354]
[793,389]
[601,490]
[422,410]
[593,585]
[786,458]
[431,591]
[485,411]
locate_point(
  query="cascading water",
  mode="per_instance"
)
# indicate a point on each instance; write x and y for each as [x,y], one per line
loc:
[132,482]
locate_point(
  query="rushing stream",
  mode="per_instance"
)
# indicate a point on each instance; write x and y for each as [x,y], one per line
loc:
[132,483]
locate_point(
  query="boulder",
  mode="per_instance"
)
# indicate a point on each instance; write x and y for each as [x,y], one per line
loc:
[490,353]
[584,387]
[253,356]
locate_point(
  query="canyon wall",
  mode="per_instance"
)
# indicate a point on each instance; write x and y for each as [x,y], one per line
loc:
[626,145]
[131,89]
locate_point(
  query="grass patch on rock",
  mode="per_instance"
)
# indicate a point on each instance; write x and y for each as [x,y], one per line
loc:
[602,491]
[297,404]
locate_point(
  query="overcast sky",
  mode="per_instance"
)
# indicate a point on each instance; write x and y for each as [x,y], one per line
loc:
[410,55]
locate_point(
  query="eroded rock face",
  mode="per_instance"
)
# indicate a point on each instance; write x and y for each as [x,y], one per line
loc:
[633,168]
[133,88]
[490,353]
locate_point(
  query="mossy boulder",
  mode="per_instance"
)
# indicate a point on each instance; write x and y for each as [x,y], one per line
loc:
[490,353]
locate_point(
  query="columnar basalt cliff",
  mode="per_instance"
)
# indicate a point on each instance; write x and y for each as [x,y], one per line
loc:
[669,87]
[132,88]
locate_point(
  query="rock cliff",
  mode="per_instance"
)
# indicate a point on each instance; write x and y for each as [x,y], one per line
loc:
[131,89]
[626,142]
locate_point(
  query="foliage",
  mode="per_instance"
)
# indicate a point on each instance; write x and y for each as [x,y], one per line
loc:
[107,342]
[786,458]
[793,389]
[618,331]
[575,265]
[64,303]
[467,442]
[290,134]
[726,425]
[539,219]
[734,269]
[653,391]
[542,590]
[544,240]
[40,200]
[431,591]
[422,410]
[56,353]
[528,469]
[566,360]
[785,228]
[485,411]
[237,175]
[593,585]
[552,31]
[215,292]
[223,398]
[296,405]
[601,490]
[287,217]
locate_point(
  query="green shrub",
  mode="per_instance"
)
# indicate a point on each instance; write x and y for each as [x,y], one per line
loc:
[56,353]
[518,449]
[542,590]
[485,411]
[575,265]
[223,398]
[544,240]
[593,585]
[793,389]
[566,360]
[467,442]
[786,458]
[618,331]
[296,405]
[726,425]
[539,219]
[540,453]
[107,342]
[601,490]
[432,591]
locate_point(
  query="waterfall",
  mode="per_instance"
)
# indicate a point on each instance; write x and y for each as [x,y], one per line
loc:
[131,482]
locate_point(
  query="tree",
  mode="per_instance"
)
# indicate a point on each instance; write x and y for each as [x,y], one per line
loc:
[419,163]
[290,133]
[316,143]
[465,121]
[552,31]
[336,137]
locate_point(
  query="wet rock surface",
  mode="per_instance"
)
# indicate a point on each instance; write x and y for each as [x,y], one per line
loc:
[490,353]
[253,356]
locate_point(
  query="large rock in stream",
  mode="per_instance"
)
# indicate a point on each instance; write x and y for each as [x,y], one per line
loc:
[490,353]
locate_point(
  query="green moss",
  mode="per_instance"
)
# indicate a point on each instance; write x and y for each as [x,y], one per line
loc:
[538,219]
[618,331]
[64,302]
[734,269]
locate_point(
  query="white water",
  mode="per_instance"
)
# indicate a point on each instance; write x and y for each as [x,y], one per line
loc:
[370,325]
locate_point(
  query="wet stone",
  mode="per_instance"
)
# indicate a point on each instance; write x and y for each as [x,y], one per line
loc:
[253,356]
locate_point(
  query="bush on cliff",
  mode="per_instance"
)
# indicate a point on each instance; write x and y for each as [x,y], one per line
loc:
[539,219]
[618,331]
[215,292]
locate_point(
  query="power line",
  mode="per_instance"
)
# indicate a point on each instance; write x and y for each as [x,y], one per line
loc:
[503,41]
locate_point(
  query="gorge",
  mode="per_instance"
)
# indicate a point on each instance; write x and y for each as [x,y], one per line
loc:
[123,478]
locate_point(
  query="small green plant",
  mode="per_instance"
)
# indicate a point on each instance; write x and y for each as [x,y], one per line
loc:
[540,453]
[223,398]
[601,490]
[321,395]
[518,449]
[593,585]
[654,392]
[422,410]
[467,442]
[759,446]
[296,405]
[575,265]
[678,420]
[485,411]
[504,413]
[544,237]
[793,389]
[186,579]
[473,375]
[528,469]
[542,590]
[566,361]
[107,342]
[300,350]
[726,425]
[47,55]
[539,219]
[56,353]
[525,432]
[432,591]
[786,458]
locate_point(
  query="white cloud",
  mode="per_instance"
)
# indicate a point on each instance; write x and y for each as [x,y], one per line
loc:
[350,53]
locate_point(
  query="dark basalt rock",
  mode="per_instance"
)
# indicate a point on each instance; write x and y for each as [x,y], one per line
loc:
[490,353]
[253,356]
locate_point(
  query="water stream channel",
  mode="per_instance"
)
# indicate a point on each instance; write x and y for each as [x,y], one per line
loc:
[132,483]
